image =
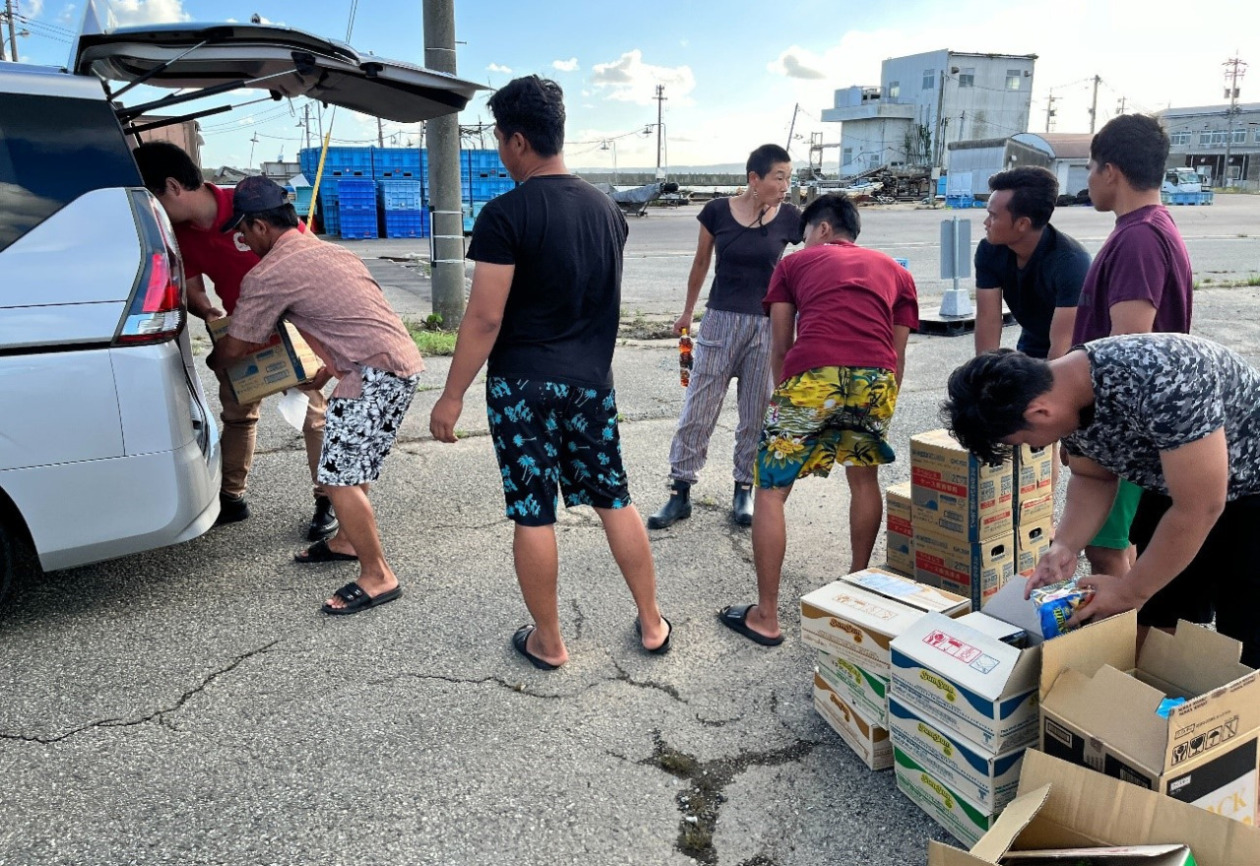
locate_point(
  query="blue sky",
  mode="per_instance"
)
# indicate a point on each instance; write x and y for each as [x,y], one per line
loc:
[733,71]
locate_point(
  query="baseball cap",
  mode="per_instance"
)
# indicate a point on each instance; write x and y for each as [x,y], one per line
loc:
[253,195]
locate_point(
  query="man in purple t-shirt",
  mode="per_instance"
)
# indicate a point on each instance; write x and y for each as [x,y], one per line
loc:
[1139,282]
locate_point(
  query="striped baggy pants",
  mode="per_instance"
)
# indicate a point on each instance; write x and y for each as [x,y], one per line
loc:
[728,346]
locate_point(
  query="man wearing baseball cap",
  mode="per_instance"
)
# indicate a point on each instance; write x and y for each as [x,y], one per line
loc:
[325,291]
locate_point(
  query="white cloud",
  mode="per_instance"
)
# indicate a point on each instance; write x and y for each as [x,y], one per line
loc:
[629,79]
[569,65]
[130,13]
[502,70]
[798,62]
[32,8]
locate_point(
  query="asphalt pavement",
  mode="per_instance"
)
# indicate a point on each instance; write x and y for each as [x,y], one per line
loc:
[192,705]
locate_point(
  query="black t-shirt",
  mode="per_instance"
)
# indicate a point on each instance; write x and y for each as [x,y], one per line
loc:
[1052,278]
[565,239]
[746,256]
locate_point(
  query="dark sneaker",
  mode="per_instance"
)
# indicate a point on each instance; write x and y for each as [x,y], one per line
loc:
[742,504]
[677,508]
[232,509]
[324,524]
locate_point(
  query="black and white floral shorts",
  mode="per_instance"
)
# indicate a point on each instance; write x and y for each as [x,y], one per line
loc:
[360,432]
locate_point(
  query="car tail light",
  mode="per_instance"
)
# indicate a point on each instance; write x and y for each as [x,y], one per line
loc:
[156,311]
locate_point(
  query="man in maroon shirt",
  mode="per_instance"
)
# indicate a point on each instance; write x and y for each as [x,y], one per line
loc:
[1140,281]
[198,211]
[840,317]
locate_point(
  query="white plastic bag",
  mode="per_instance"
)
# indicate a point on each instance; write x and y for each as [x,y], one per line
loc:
[292,406]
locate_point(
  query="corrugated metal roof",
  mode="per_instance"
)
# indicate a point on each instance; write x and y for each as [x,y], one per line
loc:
[1206,109]
[1060,145]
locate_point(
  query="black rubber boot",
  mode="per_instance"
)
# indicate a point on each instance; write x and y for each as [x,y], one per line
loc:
[232,509]
[324,524]
[678,508]
[742,504]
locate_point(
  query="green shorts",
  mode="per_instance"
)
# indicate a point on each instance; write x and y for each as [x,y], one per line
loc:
[1115,532]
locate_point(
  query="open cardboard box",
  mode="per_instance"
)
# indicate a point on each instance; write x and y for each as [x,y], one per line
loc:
[1098,709]
[1123,855]
[1061,805]
[285,362]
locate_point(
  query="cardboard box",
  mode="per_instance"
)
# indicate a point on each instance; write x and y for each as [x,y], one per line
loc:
[953,492]
[1126,855]
[996,628]
[1035,511]
[974,570]
[855,622]
[285,363]
[1099,710]
[1061,805]
[900,529]
[1034,475]
[1032,540]
[869,741]
[964,821]
[969,682]
[986,780]
[864,691]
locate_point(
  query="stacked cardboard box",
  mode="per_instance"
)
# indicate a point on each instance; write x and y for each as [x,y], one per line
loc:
[1033,506]
[852,622]
[1099,702]
[963,711]
[962,516]
[900,529]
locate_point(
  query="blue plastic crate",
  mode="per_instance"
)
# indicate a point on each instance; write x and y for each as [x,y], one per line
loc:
[403,195]
[356,194]
[359,225]
[330,216]
[406,224]
[398,162]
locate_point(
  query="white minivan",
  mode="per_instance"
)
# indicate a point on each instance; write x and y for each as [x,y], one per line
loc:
[107,443]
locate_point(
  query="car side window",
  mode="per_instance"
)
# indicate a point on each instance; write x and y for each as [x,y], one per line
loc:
[53,150]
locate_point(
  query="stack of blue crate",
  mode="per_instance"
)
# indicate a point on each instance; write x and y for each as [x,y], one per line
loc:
[405,216]
[356,204]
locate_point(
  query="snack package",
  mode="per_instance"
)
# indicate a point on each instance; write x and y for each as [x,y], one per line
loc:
[1056,604]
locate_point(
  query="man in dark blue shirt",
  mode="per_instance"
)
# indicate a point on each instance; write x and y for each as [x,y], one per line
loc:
[1025,261]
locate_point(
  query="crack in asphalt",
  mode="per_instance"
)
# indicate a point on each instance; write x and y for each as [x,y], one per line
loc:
[624,676]
[579,619]
[157,715]
[701,801]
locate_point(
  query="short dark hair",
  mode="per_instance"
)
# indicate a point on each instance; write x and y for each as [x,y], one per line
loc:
[283,217]
[988,397]
[534,107]
[159,160]
[1136,144]
[1034,192]
[834,208]
[766,157]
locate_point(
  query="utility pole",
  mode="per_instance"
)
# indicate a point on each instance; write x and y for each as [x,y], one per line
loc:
[306,124]
[444,189]
[1093,108]
[8,14]
[1120,107]
[1234,70]
[1049,110]
[792,128]
[660,106]
[939,144]
[380,133]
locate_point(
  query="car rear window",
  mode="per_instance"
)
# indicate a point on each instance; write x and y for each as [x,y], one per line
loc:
[53,150]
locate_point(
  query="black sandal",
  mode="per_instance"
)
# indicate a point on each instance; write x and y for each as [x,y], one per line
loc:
[321,552]
[357,599]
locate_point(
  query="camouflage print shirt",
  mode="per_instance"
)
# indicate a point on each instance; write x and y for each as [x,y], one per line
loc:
[1157,392]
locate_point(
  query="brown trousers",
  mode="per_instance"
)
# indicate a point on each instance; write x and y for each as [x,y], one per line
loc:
[240,430]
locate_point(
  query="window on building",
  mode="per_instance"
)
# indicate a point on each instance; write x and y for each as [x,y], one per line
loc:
[967,78]
[1012,79]
[1179,139]
[1218,138]
[1257,135]
[894,89]
[1240,136]
[929,79]
[848,155]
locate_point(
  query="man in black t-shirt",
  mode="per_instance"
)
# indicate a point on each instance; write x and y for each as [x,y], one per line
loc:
[1176,415]
[544,310]
[1025,261]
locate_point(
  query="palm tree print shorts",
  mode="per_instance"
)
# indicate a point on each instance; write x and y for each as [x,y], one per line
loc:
[551,434]
[826,416]
[360,431]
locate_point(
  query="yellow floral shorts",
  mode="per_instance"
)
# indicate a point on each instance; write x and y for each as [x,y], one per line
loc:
[826,416]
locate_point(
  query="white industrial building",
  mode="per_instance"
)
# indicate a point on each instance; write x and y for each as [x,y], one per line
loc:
[1206,137]
[1066,154]
[926,101]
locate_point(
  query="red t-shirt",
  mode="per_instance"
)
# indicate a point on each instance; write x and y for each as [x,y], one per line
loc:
[224,258]
[847,299]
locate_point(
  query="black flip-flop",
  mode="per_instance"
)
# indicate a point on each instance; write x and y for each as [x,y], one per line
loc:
[664,647]
[735,617]
[321,552]
[357,599]
[519,644]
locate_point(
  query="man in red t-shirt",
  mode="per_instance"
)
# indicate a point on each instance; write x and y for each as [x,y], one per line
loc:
[840,316]
[198,211]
